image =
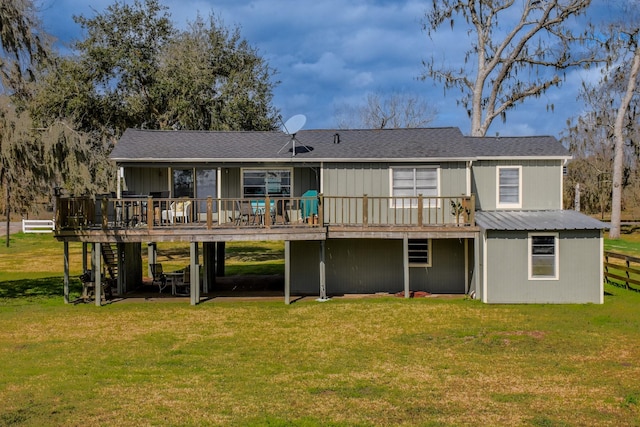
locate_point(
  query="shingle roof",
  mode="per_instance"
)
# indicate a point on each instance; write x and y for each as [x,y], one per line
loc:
[537,220]
[431,144]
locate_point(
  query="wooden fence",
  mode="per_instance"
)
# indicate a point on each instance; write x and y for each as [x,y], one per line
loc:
[625,273]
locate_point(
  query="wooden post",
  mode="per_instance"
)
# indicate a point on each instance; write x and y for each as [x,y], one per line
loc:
[121,282]
[84,257]
[66,272]
[150,213]
[194,285]
[420,205]
[105,212]
[628,265]
[323,279]
[320,209]
[267,212]
[97,281]
[210,212]
[287,272]
[405,264]
[472,211]
[365,210]
[220,255]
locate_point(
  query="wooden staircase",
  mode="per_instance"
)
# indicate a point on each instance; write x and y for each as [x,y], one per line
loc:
[110,259]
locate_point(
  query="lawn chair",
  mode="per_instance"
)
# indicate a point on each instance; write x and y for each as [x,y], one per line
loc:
[247,213]
[88,287]
[183,285]
[281,213]
[180,210]
[159,278]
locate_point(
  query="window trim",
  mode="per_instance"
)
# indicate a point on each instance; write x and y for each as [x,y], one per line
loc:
[411,206]
[518,204]
[556,255]
[242,171]
[429,253]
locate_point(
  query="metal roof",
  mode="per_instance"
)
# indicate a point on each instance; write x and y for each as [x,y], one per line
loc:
[537,220]
[425,144]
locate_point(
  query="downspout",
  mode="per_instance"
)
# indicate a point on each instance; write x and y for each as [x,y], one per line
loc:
[469,164]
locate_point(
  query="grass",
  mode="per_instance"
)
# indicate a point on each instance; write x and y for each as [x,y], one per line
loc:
[368,362]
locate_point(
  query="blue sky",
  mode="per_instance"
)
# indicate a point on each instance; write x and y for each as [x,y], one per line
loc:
[332,52]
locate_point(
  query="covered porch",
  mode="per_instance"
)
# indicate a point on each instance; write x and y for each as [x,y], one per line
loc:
[125,224]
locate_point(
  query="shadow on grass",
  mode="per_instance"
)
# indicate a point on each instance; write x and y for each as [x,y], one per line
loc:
[45,287]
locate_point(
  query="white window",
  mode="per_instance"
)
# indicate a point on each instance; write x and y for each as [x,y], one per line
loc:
[419,252]
[411,182]
[543,256]
[509,186]
[263,182]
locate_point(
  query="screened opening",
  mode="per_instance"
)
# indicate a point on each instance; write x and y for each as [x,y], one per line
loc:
[419,252]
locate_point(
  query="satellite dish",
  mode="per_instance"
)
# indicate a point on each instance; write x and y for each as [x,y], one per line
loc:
[294,124]
[291,127]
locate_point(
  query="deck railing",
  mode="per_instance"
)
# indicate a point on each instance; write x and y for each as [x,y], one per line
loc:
[399,211]
[147,212]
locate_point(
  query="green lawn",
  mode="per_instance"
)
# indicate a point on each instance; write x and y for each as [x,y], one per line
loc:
[367,362]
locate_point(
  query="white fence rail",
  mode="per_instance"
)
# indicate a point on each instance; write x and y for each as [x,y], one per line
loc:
[38,226]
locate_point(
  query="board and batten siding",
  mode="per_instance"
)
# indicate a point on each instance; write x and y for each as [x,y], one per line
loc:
[354,266]
[146,180]
[579,272]
[374,179]
[446,274]
[541,183]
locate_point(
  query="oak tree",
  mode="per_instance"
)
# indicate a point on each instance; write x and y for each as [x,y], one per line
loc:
[518,50]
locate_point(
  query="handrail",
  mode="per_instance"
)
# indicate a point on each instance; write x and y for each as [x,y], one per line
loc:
[73,213]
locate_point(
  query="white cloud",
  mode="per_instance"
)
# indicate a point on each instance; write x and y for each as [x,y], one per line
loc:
[326,51]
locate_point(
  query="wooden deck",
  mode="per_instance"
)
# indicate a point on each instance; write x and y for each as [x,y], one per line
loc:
[145,219]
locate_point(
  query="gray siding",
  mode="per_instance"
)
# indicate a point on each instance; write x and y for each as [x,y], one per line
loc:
[305,179]
[145,180]
[356,179]
[541,183]
[579,269]
[373,265]
[453,179]
[446,274]
[230,183]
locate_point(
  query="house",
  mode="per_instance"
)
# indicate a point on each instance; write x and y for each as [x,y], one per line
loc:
[360,211]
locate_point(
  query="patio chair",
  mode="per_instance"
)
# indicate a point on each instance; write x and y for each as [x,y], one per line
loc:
[281,213]
[247,213]
[159,278]
[177,210]
[88,287]
[183,284]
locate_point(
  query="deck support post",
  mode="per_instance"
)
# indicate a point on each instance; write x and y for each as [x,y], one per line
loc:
[466,266]
[208,266]
[152,256]
[84,257]
[477,268]
[66,272]
[220,255]
[194,285]
[120,280]
[287,272]
[323,281]
[405,265]
[97,280]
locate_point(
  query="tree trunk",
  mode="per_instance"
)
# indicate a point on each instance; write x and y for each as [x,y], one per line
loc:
[7,208]
[618,159]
